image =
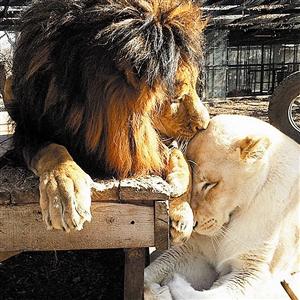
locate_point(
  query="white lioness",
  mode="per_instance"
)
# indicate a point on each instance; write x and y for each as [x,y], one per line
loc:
[245,200]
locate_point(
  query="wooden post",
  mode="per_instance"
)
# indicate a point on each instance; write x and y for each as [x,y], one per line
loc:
[134,273]
[161,223]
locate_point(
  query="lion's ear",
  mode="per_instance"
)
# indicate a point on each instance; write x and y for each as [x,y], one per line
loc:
[131,75]
[253,148]
[132,78]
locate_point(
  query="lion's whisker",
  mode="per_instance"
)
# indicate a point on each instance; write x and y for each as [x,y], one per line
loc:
[166,139]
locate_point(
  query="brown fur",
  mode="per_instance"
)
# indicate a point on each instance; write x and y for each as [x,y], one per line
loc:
[90,75]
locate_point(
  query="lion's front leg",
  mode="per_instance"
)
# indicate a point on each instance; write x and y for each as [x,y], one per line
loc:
[65,196]
[181,215]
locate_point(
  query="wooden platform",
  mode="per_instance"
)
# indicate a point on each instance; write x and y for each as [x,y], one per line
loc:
[131,214]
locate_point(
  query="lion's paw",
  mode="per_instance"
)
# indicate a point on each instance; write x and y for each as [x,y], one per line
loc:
[178,174]
[181,215]
[182,221]
[65,197]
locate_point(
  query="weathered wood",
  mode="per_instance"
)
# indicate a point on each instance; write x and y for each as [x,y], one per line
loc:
[161,225]
[105,190]
[123,215]
[149,188]
[134,273]
[114,225]
[20,186]
[7,254]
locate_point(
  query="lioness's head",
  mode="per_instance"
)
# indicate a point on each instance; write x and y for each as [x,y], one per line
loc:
[182,114]
[229,161]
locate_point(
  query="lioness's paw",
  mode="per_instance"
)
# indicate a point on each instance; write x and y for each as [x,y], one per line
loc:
[154,291]
[65,197]
[181,289]
[178,174]
[181,221]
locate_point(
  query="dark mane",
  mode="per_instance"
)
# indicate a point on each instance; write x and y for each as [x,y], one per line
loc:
[79,64]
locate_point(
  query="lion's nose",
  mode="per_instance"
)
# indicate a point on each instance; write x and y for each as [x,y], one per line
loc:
[202,121]
[205,119]
[201,124]
[197,127]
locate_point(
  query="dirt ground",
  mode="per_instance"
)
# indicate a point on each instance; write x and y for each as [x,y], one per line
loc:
[93,274]
[254,107]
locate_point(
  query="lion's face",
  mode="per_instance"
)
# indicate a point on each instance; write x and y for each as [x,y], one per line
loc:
[184,114]
[229,167]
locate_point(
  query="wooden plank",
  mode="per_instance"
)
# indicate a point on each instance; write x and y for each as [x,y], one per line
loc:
[134,273]
[149,188]
[114,225]
[105,190]
[20,186]
[7,254]
[162,225]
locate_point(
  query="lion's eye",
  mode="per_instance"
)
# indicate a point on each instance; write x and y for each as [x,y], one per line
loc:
[176,100]
[208,185]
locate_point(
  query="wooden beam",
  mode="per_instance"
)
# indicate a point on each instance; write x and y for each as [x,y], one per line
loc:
[6,255]
[20,186]
[114,225]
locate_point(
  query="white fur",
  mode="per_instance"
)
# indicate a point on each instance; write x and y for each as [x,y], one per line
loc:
[245,199]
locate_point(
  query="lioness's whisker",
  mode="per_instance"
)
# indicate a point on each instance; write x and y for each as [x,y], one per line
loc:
[225,232]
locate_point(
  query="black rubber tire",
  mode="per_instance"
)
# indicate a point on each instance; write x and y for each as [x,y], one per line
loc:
[280,106]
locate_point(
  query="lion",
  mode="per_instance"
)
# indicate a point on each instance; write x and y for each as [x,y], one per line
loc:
[245,202]
[97,86]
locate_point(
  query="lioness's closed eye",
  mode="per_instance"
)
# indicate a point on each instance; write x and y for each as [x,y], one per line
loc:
[245,202]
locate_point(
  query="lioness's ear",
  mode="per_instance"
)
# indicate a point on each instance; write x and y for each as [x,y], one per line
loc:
[253,148]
